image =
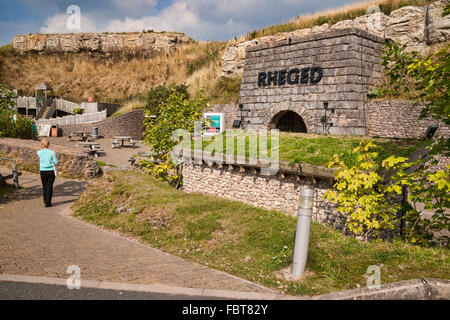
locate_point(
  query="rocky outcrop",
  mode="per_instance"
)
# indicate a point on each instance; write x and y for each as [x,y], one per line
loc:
[438,27]
[419,27]
[139,42]
[407,25]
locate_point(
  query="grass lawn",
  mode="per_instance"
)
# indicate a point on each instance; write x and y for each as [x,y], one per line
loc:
[246,241]
[317,149]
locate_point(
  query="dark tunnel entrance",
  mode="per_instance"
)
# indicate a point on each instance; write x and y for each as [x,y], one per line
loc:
[288,121]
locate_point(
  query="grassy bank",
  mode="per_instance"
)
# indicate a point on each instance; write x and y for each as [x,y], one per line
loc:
[246,241]
[113,79]
[317,149]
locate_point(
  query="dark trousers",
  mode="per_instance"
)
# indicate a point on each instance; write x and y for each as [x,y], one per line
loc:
[47,178]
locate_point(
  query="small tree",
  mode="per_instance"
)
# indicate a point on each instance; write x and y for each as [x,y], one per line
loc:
[177,112]
[396,61]
[12,124]
[360,194]
[430,191]
[158,96]
[7,96]
[432,76]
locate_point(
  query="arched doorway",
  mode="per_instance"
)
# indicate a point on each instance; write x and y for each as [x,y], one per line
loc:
[289,121]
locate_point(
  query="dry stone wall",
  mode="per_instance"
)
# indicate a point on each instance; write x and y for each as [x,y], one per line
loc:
[399,119]
[138,42]
[269,192]
[351,64]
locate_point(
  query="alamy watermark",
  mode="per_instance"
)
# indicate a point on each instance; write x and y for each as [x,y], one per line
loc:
[74,281]
[251,147]
[374,19]
[373,277]
[74,20]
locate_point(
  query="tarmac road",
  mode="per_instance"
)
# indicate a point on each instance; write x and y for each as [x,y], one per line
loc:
[10,290]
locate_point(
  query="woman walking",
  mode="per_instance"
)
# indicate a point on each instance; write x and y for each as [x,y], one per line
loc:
[48,161]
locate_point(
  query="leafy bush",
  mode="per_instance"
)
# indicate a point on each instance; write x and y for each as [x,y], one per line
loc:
[432,189]
[361,196]
[12,124]
[159,95]
[396,61]
[176,112]
[364,197]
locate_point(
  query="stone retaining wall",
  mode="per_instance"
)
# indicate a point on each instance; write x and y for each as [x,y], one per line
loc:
[230,113]
[399,119]
[128,124]
[278,192]
[71,161]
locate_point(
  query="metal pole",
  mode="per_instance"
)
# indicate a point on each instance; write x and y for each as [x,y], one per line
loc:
[304,215]
[15,176]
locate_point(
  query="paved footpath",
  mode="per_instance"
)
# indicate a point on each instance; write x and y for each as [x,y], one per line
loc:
[44,242]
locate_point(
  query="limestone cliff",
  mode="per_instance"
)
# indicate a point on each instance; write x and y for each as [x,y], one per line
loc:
[139,42]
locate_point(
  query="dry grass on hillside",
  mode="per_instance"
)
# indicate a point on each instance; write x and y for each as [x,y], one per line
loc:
[111,79]
[125,79]
[332,16]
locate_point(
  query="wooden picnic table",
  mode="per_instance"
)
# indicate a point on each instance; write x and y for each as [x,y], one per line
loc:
[121,140]
[83,135]
[91,148]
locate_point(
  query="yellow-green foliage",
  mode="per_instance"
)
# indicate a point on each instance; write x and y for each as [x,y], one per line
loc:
[360,194]
[431,189]
[175,119]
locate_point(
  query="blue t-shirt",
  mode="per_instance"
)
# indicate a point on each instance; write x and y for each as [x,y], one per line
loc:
[45,157]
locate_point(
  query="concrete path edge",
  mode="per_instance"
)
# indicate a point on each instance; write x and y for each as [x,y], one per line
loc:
[416,289]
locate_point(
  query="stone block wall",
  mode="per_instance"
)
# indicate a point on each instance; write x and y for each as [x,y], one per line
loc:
[71,161]
[230,112]
[351,63]
[276,192]
[399,119]
[128,124]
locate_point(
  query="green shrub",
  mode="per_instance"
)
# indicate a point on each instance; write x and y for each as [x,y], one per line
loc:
[159,95]
[12,124]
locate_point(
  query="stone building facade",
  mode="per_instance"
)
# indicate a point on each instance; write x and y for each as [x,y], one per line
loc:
[286,83]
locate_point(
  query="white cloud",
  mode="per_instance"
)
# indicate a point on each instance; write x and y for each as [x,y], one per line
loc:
[57,23]
[173,18]
[200,19]
[181,16]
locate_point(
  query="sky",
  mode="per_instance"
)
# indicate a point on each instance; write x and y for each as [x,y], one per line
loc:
[200,19]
